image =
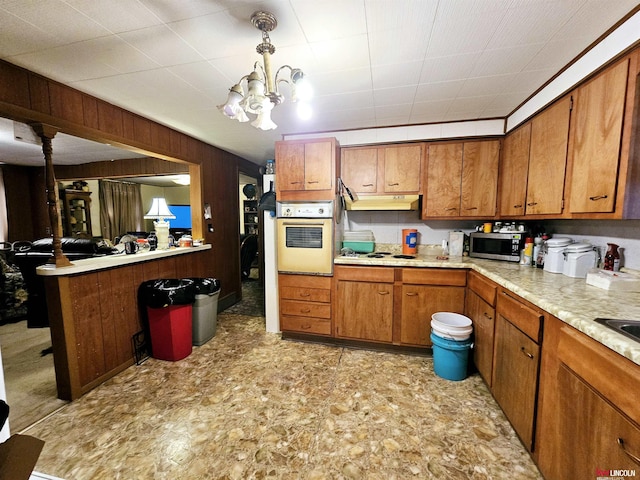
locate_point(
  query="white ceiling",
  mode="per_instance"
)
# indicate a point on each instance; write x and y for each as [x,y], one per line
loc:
[371,62]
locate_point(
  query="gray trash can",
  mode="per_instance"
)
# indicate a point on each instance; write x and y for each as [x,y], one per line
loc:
[205,310]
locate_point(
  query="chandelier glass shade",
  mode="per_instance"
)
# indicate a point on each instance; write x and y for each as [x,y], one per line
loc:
[263,90]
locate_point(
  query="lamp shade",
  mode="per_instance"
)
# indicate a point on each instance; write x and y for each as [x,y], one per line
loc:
[159,209]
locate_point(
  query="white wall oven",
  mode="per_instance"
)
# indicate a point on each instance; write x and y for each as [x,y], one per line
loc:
[305,237]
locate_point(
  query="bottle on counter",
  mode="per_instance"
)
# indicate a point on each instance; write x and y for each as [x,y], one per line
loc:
[612,258]
[537,245]
[527,252]
[270,169]
[542,252]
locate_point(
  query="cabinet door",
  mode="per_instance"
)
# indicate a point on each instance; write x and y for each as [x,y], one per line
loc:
[419,302]
[444,170]
[290,164]
[365,311]
[480,179]
[359,169]
[548,159]
[515,377]
[318,159]
[483,316]
[402,168]
[589,428]
[513,171]
[596,134]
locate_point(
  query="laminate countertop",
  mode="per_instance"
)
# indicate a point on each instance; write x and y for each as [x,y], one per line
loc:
[569,299]
[93,264]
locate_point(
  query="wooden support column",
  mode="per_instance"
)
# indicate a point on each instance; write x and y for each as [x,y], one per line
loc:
[46,134]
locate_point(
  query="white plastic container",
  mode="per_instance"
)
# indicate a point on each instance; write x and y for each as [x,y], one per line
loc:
[554,259]
[579,258]
[451,326]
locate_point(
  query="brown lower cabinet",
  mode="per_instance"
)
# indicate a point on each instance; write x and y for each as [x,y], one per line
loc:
[516,361]
[480,308]
[305,304]
[394,305]
[589,413]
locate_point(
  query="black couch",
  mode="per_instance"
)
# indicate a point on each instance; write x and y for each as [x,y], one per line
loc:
[40,253]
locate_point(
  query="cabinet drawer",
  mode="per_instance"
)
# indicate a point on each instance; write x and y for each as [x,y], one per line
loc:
[434,276]
[483,287]
[613,375]
[306,281]
[318,326]
[306,294]
[305,309]
[364,274]
[525,318]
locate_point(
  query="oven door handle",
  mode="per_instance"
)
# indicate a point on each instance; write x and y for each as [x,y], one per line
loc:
[295,224]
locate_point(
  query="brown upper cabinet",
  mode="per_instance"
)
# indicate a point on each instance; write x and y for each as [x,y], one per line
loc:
[306,169]
[461,179]
[532,171]
[382,170]
[596,139]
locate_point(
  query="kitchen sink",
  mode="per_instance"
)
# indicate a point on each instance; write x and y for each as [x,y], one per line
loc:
[628,328]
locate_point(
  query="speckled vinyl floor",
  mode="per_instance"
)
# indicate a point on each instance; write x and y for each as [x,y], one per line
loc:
[248,405]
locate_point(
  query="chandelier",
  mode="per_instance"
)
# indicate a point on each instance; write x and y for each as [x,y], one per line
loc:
[263,90]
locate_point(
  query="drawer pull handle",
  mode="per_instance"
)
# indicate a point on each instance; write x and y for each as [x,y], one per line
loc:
[305,294]
[313,181]
[487,315]
[383,293]
[531,204]
[412,294]
[471,208]
[524,352]
[305,310]
[393,184]
[294,183]
[450,209]
[598,197]
[367,184]
[628,453]
[517,206]
[305,326]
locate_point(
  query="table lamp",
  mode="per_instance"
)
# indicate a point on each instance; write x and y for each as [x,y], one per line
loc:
[160,211]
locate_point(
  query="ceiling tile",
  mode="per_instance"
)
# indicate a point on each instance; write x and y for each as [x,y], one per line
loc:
[394,96]
[117,15]
[391,75]
[342,54]
[391,14]
[162,45]
[504,60]
[444,69]
[330,19]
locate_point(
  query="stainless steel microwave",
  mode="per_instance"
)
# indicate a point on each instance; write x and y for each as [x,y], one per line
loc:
[496,246]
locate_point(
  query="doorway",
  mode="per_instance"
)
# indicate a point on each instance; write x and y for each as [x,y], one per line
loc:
[251,269]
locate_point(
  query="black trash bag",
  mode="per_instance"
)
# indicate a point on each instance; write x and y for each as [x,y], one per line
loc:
[205,286]
[168,291]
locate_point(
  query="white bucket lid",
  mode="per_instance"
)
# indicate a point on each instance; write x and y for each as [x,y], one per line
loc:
[578,247]
[450,319]
[558,242]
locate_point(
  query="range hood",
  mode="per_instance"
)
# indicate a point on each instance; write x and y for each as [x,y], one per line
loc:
[383,202]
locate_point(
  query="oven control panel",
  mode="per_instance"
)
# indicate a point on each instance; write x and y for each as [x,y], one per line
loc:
[304,210]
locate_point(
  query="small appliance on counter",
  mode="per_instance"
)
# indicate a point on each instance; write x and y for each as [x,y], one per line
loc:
[554,258]
[360,241]
[456,243]
[579,258]
[497,246]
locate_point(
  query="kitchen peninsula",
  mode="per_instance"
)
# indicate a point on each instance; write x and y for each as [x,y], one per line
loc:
[94,311]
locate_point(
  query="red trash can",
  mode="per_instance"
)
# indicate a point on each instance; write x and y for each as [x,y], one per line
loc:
[170,330]
[169,305]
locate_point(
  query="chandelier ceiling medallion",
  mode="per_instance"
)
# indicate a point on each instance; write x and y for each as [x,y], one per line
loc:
[263,91]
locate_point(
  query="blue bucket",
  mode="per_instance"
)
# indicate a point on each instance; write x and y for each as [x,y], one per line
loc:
[450,357]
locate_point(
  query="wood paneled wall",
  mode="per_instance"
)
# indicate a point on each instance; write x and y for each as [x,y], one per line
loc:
[28,97]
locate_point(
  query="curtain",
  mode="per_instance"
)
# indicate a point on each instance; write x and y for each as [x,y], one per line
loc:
[4,225]
[120,208]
